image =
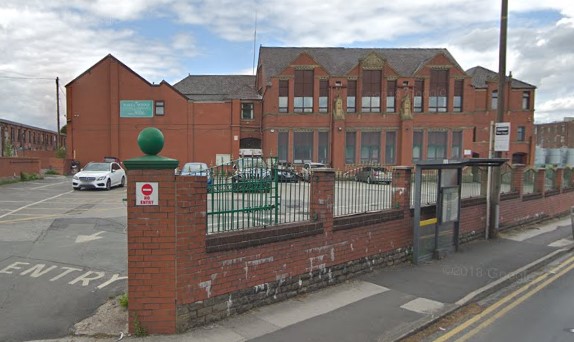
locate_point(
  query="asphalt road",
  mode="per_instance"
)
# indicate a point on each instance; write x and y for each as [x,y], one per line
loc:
[62,255]
[544,313]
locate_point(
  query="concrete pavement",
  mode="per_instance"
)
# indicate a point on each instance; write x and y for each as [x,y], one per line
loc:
[390,303]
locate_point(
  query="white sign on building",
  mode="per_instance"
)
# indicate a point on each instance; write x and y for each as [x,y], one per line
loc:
[502,136]
[146,193]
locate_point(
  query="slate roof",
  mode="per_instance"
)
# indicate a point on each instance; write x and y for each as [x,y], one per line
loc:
[218,87]
[338,61]
[480,77]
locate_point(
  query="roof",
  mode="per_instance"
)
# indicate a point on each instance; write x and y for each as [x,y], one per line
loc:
[338,61]
[218,87]
[12,123]
[481,76]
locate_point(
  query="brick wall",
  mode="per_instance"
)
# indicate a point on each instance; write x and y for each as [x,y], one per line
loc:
[12,167]
[179,277]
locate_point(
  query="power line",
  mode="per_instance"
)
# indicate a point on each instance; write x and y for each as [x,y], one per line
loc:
[27,78]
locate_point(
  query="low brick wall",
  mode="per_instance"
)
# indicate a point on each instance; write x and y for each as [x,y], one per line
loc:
[180,277]
[13,166]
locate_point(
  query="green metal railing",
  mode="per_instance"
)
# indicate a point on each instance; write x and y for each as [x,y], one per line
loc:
[249,193]
[567,178]
[528,179]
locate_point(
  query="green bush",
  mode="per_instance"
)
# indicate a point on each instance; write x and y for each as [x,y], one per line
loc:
[61,153]
[51,172]
[123,300]
[24,176]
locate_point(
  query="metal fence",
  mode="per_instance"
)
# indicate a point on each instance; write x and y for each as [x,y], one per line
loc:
[472,178]
[363,189]
[567,178]
[528,179]
[429,187]
[550,179]
[248,193]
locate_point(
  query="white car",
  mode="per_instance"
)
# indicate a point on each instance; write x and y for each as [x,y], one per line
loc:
[99,176]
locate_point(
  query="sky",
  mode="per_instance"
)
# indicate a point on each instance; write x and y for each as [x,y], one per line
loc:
[170,39]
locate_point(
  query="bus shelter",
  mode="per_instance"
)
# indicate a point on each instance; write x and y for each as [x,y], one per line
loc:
[438,233]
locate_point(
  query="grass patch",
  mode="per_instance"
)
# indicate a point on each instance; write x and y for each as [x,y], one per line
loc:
[24,176]
[51,172]
[8,181]
[123,300]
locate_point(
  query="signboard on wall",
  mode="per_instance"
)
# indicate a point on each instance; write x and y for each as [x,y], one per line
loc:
[136,109]
[502,137]
[146,193]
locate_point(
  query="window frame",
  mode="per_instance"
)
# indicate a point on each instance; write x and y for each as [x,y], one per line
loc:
[391,105]
[283,96]
[323,96]
[438,99]
[303,92]
[159,107]
[352,96]
[350,147]
[371,91]
[250,110]
[458,95]
[371,144]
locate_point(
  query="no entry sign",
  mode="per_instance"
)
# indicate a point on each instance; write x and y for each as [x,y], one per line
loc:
[146,193]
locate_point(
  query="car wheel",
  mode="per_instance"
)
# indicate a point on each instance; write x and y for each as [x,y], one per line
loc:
[356,178]
[78,188]
[123,182]
[369,180]
[108,184]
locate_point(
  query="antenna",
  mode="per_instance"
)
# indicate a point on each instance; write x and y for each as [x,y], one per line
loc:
[254,39]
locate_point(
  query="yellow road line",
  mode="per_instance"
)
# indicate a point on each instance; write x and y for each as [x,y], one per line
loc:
[503,301]
[520,300]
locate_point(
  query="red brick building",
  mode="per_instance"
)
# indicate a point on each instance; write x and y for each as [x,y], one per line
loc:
[22,139]
[336,105]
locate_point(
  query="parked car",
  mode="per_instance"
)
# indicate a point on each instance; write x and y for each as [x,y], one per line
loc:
[197,169]
[374,174]
[95,175]
[251,175]
[286,173]
[307,170]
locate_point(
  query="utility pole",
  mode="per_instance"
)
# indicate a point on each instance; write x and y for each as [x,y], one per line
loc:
[495,192]
[58,112]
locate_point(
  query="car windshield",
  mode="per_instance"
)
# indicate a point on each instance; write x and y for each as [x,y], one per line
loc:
[195,167]
[97,167]
[249,163]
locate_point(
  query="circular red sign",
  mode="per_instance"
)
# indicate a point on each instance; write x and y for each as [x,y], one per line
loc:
[147,189]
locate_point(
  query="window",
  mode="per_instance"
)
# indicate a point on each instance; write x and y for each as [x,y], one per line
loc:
[283,96]
[350,141]
[457,100]
[371,99]
[303,91]
[370,147]
[526,100]
[436,145]
[247,111]
[418,96]
[494,99]
[282,146]
[302,147]
[438,91]
[417,145]
[391,141]
[391,96]
[159,108]
[351,96]
[456,150]
[324,147]
[521,133]
[323,96]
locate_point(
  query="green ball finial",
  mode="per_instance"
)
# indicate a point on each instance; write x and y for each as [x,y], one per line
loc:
[150,140]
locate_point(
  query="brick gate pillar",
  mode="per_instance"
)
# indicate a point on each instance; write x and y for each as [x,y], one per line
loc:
[402,176]
[517,178]
[322,197]
[540,181]
[152,238]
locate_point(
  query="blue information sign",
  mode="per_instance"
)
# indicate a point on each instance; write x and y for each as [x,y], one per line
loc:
[136,109]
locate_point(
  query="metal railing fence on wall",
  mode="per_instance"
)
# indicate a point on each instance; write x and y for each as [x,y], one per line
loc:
[550,179]
[528,179]
[250,193]
[428,187]
[506,178]
[472,178]
[363,189]
[567,178]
